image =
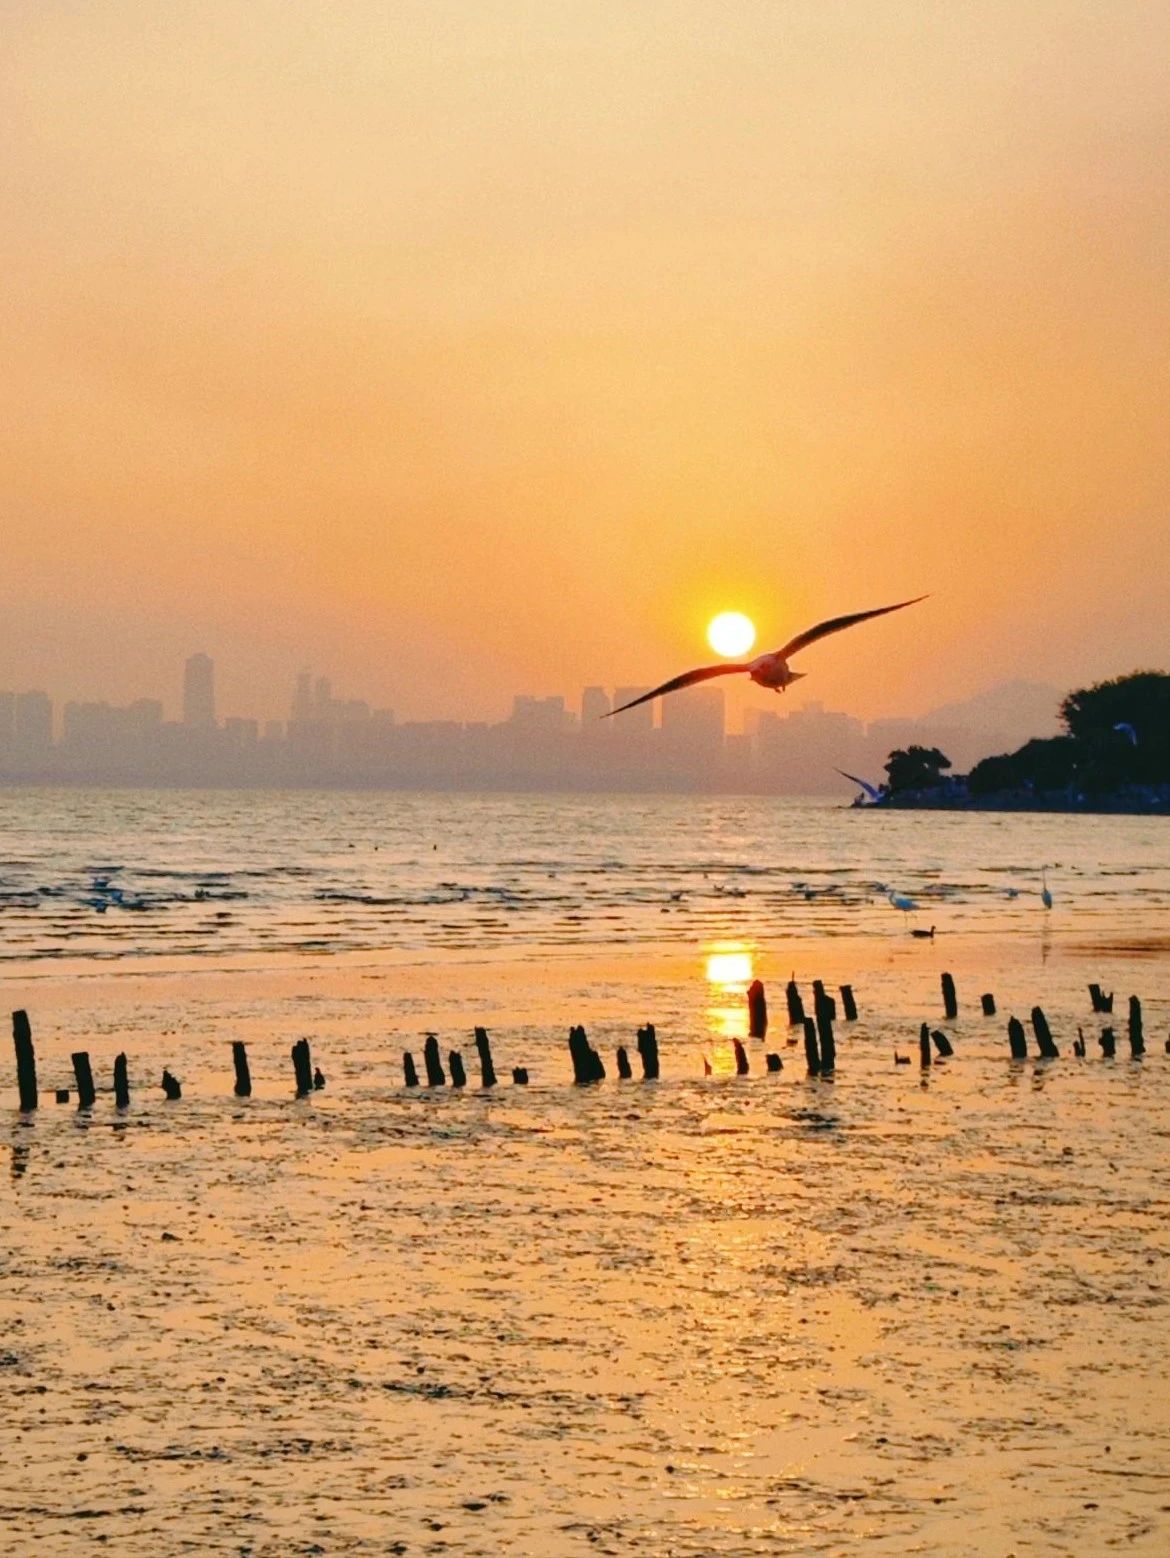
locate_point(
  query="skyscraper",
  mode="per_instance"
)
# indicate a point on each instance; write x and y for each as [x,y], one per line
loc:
[199,693]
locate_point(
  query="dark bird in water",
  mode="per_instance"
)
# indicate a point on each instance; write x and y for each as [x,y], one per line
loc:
[924,935]
[770,670]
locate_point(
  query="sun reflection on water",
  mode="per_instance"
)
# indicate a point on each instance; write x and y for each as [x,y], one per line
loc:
[729,967]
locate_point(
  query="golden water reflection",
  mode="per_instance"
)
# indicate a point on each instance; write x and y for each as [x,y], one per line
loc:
[729,967]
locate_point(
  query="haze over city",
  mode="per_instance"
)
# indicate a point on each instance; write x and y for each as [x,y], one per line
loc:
[461,349]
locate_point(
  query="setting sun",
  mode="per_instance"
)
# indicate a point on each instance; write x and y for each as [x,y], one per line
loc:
[731,633]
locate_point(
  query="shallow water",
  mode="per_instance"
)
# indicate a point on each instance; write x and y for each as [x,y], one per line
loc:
[892,1311]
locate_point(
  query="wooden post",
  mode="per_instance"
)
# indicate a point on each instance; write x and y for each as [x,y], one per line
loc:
[825,1012]
[1107,1002]
[942,1044]
[409,1069]
[924,1045]
[84,1074]
[741,1060]
[988,1005]
[587,1063]
[648,1049]
[243,1075]
[812,1053]
[1079,1043]
[62,1095]
[171,1086]
[458,1075]
[1137,1042]
[431,1061]
[487,1070]
[1095,997]
[318,1079]
[1108,1043]
[773,1062]
[849,1005]
[623,1063]
[1017,1038]
[821,997]
[1048,1050]
[302,1067]
[121,1083]
[757,1010]
[26,1060]
[795,1005]
[520,1076]
[950,1000]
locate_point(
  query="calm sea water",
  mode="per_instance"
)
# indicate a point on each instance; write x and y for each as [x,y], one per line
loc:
[892,1311]
[119,874]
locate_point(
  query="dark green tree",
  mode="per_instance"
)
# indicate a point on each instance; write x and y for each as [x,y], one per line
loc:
[916,768]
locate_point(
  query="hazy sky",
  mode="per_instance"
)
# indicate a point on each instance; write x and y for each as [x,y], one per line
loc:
[458,348]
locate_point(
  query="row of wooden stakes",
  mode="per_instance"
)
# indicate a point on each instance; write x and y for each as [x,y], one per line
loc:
[819,1048]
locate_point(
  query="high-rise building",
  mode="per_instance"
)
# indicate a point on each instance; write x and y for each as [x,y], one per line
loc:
[32,727]
[199,693]
[641,718]
[595,705]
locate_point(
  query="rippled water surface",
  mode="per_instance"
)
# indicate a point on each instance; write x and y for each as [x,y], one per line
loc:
[894,1310]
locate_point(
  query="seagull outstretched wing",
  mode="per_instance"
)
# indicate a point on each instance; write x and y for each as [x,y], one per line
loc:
[687,679]
[870,789]
[835,625]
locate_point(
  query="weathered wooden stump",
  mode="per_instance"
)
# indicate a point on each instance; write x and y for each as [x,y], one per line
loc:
[924,1055]
[171,1086]
[812,1053]
[741,1060]
[623,1063]
[1095,997]
[757,1010]
[1137,1041]
[988,1002]
[83,1071]
[455,1063]
[942,1044]
[409,1069]
[62,1095]
[121,1082]
[950,999]
[1017,1039]
[318,1079]
[520,1076]
[434,1066]
[243,1087]
[848,1004]
[1048,1050]
[26,1061]
[795,1005]
[1108,1043]
[487,1070]
[302,1067]
[821,997]
[825,1010]
[1079,1043]
[587,1063]
[773,1062]
[648,1050]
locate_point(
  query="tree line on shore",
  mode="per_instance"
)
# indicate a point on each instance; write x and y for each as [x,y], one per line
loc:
[1114,750]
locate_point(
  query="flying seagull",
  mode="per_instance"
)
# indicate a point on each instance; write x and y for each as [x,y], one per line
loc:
[769,670]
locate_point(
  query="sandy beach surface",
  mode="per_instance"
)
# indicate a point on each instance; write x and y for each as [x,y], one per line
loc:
[897,1311]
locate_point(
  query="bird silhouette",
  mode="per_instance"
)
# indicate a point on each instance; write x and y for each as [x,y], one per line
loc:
[900,901]
[924,935]
[1045,895]
[770,670]
[871,790]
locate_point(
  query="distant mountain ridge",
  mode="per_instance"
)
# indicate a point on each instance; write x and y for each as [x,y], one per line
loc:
[1016,710]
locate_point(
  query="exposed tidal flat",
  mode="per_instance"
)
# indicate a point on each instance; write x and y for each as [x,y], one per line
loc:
[887,1311]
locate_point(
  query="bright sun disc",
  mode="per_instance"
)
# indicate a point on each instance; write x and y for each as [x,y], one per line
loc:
[731,633]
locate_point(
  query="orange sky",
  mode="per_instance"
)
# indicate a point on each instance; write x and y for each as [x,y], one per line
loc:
[459,349]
